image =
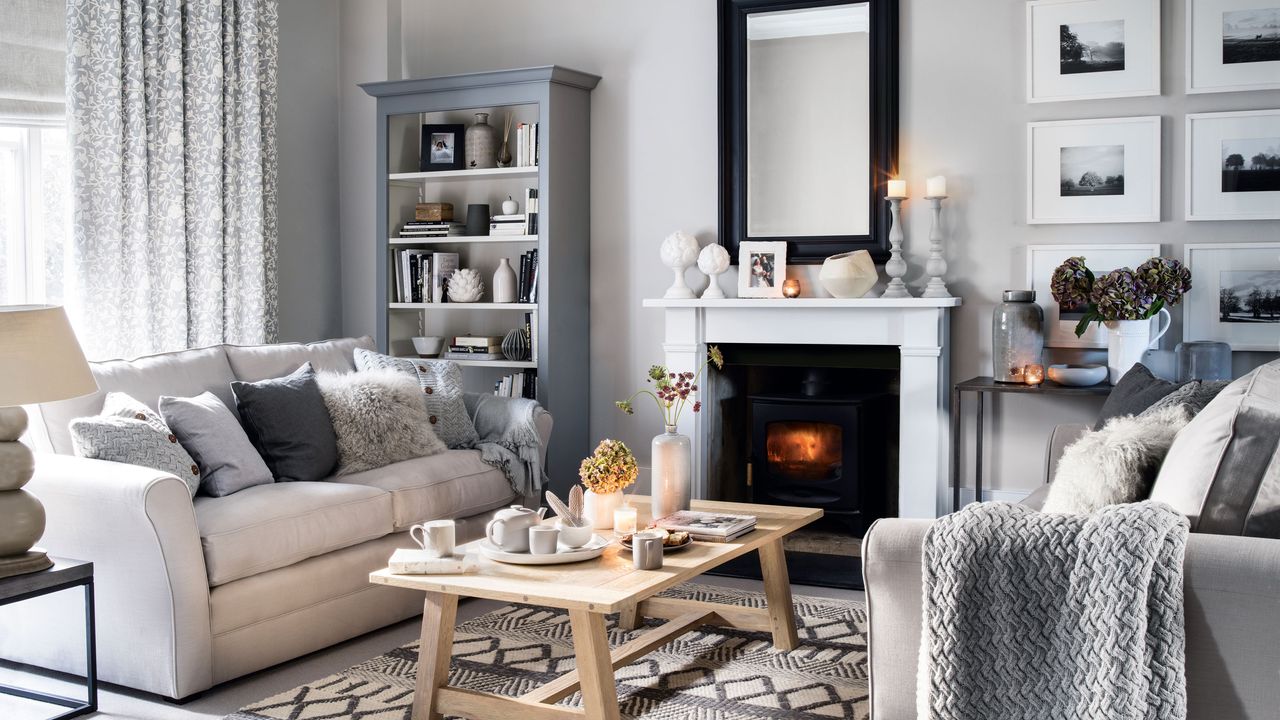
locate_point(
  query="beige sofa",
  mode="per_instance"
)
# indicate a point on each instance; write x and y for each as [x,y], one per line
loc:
[1232,602]
[194,593]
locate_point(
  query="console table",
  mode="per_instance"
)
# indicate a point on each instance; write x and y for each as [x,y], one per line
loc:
[64,575]
[980,386]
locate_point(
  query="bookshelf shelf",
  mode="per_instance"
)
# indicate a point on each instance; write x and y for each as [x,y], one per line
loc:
[505,364]
[461,239]
[484,174]
[462,306]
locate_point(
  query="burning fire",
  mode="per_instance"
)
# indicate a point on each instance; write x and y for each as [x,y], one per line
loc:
[804,450]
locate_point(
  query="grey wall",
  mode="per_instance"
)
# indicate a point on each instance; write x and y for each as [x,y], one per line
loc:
[963,115]
[310,295]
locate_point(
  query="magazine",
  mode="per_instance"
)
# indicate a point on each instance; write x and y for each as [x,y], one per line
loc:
[714,525]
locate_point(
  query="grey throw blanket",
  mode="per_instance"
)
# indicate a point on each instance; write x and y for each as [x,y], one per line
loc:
[508,438]
[1034,615]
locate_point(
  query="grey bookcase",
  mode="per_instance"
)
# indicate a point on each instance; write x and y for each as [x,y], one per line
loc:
[559,100]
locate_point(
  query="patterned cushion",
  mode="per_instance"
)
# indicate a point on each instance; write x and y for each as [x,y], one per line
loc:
[441,383]
[136,442]
[124,405]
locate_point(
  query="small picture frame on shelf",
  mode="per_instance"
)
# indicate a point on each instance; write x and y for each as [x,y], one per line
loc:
[1094,171]
[442,148]
[1092,49]
[762,268]
[1233,45]
[1233,165]
[1235,295]
[1060,322]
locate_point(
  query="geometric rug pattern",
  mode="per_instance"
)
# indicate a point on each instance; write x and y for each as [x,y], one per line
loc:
[710,673]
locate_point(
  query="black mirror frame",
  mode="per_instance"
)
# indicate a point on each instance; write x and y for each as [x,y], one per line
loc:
[883,56]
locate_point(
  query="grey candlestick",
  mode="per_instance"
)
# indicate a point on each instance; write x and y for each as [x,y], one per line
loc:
[936,266]
[896,267]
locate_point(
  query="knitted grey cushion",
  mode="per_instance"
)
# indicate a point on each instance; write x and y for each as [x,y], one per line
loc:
[1194,396]
[126,406]
[378,417]
[207,429]
[136,442]
[442,389]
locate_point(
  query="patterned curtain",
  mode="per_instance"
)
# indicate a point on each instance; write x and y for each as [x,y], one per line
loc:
[172,115]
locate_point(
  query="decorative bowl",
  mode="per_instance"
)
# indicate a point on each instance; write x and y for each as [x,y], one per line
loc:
[1077,375]
[428,346]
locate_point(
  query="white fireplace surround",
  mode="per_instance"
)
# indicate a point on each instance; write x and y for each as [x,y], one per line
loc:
[918,327]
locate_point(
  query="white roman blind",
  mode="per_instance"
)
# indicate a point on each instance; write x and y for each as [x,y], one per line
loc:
[33,61]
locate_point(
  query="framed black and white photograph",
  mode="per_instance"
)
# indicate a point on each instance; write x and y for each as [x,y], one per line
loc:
[1060,321]
[1093,171]
[1091,49]
[1235,295]
[442,147]
[1233,45]
[762,268]
[1233,165]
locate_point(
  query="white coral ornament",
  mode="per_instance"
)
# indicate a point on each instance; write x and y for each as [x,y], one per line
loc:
[679,251]
[465,286]
[713,260]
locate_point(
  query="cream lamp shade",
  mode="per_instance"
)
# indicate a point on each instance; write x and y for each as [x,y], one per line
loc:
[40,358]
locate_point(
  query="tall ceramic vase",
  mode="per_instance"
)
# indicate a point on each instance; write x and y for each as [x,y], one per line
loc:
[599,508]
[1128,340]
[672,462]
[481,144]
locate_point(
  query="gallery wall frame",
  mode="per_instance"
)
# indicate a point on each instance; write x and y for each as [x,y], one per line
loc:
[1233,165]
[1071,165]
[1116,54]
[1221,57]
[1042,260]
[1219,307]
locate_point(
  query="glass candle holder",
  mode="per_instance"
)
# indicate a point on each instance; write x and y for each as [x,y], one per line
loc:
[791,288]
[624,520]
[1033,374]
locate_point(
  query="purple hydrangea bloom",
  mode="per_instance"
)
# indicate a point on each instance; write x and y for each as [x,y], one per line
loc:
[1118,296]
[1164,278]
[1070,284]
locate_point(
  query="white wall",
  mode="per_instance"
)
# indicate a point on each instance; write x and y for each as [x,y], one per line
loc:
[963,115]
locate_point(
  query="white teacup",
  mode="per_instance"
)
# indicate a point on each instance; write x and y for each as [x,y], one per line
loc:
[574,536]
[437,537]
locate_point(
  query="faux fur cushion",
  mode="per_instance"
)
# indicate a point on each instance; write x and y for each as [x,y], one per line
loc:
[378,417]
[1116,464]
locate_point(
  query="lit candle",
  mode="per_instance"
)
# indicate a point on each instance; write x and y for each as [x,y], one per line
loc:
[1033,374]
[624,520]
[897,189]
[936,187]
[791,288]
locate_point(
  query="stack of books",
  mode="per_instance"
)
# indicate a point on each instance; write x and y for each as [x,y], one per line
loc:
[527,278]
[526,145]
[421,276]
[518,385]
[508,225]
[474,347]
[432,228]
[531,211]
[708,526]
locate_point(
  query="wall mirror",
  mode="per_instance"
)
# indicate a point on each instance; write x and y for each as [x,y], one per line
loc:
[808,124]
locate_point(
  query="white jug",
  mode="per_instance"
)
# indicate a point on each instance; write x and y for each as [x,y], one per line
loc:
[1128,341]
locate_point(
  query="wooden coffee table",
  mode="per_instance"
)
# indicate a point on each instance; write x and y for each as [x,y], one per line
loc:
[589,591]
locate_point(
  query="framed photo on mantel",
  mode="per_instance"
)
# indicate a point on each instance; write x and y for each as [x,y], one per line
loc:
[1094,171]
[1091,49]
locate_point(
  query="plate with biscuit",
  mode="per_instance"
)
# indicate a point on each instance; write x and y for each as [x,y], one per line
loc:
[671,542]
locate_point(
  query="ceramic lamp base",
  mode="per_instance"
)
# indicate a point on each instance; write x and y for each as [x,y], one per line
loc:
[34,560]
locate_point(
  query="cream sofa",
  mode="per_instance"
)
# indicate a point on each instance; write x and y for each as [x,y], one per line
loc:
[193,593]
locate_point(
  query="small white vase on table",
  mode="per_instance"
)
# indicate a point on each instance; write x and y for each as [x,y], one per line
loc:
[606,473]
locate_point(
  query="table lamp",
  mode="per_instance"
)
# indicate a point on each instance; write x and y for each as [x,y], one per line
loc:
[40,361]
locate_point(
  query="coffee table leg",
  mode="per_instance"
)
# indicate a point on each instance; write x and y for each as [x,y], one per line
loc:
[439,613]
[777,592]
[595,668]
[629,618]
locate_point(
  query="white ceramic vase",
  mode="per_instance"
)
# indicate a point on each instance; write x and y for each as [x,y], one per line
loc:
[672,460]
[599,508]
[1128,341]
[504,282]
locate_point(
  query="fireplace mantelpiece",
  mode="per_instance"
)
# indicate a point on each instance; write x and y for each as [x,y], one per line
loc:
[918,327]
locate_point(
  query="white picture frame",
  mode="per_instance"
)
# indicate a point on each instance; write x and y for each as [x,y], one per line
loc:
[1042,260]
[762,268]
[1216,61]
[1236,268]
[1063,152]
[1118,52]
[1212,140]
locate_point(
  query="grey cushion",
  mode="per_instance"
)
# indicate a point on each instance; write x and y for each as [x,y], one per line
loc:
[251,363]
[378,419]
[1194,396]
[287,422]
[441,383]
[207,429]
[135,442]
[1136,391]
[453,484]
[126,406]
[1223,470]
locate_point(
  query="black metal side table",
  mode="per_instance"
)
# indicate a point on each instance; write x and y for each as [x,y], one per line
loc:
[64,575]
[986,384]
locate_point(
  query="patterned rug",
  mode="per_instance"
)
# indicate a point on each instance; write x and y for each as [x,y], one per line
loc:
[708,674]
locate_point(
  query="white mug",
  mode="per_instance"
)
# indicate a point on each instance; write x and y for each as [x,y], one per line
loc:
[436,537]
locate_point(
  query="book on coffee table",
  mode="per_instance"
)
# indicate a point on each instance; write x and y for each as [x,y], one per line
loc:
[708,526]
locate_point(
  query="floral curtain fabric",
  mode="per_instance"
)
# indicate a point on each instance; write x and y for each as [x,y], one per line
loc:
[172,115]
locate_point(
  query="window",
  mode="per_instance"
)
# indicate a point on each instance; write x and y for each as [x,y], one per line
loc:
[35,213]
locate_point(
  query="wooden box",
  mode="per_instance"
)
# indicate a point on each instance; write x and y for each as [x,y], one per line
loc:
[433,211]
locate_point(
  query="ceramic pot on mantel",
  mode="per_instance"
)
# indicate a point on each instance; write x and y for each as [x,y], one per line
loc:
[1128,341]
[672,461]
[599,507]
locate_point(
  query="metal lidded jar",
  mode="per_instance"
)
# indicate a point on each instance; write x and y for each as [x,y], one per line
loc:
[1017,335]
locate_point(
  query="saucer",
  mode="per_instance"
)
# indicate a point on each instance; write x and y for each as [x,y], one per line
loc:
[593,549]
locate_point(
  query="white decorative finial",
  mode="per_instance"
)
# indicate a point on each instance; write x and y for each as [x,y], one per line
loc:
[712,261]
[679,251]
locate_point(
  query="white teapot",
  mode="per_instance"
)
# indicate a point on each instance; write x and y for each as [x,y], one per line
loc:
[509,528]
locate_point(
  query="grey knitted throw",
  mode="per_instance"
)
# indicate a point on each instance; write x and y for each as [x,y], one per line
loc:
[1072,617]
